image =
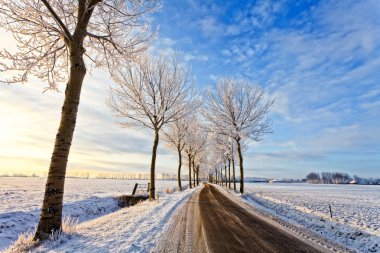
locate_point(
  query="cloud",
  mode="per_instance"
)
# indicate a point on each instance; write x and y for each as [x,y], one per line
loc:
[263,12]
[190,57]
[167,47]
[319,59]
[168,42]
[349,138]
[210,26]
[99,143]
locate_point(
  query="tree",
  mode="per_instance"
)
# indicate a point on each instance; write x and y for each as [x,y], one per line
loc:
[151,94]
[54,38]
[313,178]
[189,150]
[232,158]
[175,135]
[195,141]
[239,110]
[224,145]
[199,146]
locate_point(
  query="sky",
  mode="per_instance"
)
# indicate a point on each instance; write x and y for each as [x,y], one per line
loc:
[320,60]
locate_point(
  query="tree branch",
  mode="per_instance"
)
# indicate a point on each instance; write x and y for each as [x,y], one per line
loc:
[58,20]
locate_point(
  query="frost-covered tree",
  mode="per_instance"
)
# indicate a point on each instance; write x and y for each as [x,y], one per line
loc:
[190,136]
[195,141]
[174,135]
[233,152]
[224,145]
[151,94]
[216,158]
[239,110]
[54,39]
[199,148]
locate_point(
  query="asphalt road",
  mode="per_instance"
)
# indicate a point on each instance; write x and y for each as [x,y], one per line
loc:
[212,222]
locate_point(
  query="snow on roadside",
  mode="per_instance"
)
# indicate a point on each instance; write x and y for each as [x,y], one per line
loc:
[12,224]
[134,229]
[85,199]
[355,238]
[354,205]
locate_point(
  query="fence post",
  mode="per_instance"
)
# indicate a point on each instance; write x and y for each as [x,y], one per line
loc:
[134,189]
[330,211]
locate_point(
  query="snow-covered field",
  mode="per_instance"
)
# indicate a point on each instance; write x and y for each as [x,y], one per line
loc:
[102,226]
[356,210]
[84,200]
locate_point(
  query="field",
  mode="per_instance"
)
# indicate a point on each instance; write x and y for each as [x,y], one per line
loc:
[355,210]
[85,199]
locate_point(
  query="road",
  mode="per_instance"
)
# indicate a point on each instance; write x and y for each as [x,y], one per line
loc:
[212,222]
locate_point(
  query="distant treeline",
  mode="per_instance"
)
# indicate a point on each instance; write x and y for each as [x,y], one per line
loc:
[122,176]
[106,175]
[19,175]
[137,176]
[338,178]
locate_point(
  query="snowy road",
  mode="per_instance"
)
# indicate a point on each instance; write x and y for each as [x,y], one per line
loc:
[212,222]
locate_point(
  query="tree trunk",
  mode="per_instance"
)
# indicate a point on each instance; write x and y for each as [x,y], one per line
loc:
[216,176]
[225,173]
[179,169]
[189,171]
[229,173]
[51,212]
[233,173]
[241,167]
[221,176]
[197,174]
[152,186]
[193,172]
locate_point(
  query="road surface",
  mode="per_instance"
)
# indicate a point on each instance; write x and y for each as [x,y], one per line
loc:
[212,222]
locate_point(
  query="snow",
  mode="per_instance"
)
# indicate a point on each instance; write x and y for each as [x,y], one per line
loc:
[84,200]
[356,210]
[134,229]
[106,228]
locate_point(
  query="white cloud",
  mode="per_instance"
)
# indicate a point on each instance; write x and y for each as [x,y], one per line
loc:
[168,42]
[210,26]
[349,138]
[190,57]
[31,120]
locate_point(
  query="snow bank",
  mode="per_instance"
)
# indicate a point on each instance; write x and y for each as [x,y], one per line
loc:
[134,229]
[84,200]
[356,210]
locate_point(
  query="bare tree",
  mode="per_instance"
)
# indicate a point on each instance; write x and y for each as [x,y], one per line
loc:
[232,158]
[199,146]
[175,135]
[54,38]
[239,110]
[190,144]
[189,150]
[150,94]
[195,141]
[224,146]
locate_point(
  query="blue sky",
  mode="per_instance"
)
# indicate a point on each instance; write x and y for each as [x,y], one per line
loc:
[319,59]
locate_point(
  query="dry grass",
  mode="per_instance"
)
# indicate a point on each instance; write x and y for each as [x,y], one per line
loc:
[169,190]
[25,242]
[69,225]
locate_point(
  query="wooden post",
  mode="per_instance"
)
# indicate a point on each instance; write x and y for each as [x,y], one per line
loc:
[134,189]
[148,187]
[330,211]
